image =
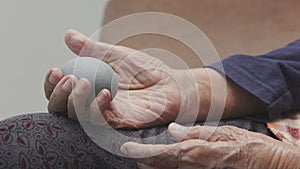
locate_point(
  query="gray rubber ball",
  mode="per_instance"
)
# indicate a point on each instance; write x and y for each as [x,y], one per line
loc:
[100,75]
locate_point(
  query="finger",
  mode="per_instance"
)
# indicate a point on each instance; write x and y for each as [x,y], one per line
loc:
[59,97]
[137,150]
[160,155]
[192,132]
[76,41]
[209,133]
[100,104]
[182,132]
[103,99]
[102,113]
[53,76]
[77,100]
[85,46]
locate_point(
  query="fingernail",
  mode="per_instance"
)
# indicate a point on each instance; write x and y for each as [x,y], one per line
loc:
[124,150]
[175,127]
[80,88]
[177,130]
[102,97]
[52,78]
[67,86]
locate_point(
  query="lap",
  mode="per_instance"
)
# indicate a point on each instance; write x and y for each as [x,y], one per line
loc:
[49,140]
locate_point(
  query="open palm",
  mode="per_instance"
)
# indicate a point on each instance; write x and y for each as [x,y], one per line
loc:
[148,93]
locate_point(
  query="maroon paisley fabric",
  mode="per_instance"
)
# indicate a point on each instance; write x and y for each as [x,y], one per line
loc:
[49,140]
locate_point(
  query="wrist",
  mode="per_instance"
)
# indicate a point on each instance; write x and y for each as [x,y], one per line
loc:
[204,91]
[222,94]
[187,89]
[213,94]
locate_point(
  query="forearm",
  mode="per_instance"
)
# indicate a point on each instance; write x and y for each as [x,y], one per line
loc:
[271,77]
[238,102]
[288,157]
[274,154]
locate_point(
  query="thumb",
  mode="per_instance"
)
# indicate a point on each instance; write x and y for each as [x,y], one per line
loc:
[76,41]
[99,106]
[104,99]
[84,46]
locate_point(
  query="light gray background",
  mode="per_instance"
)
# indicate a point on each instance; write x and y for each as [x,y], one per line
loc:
[32,41]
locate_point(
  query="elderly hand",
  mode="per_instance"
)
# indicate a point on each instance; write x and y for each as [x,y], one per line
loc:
[148,91]
[202,147]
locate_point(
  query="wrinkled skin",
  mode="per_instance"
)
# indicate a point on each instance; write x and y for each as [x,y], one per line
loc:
[207,147]
[148,92]
[148,96]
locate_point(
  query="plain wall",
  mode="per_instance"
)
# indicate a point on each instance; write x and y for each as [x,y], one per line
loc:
[32,41]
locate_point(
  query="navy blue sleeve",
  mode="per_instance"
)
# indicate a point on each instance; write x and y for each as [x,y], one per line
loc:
[273,77]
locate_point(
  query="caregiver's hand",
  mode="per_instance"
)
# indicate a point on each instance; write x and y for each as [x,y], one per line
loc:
[226,147]
[148,93]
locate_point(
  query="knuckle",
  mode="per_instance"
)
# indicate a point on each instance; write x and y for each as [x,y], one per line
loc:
[187,155]
[112,122]
[231,130]
[194,132]
[226,133]
[113,50]
[196,129]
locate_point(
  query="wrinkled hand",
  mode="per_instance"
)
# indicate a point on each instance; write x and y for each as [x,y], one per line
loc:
[226,147]
[148,93]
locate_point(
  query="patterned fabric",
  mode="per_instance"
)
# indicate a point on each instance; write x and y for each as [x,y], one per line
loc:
[47,140]
[287,129]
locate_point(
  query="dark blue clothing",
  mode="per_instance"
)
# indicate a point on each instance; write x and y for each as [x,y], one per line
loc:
[273,77]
